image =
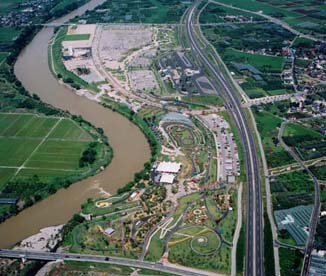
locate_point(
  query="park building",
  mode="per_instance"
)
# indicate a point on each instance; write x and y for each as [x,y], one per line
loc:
[166,172]
[168,167]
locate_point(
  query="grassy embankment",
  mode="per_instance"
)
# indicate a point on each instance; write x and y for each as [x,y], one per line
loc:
[57,66]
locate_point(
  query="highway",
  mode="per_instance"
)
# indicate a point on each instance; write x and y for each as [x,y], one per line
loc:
[254,234]
[50,256]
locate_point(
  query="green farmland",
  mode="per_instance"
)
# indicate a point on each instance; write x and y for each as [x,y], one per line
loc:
[73,37]
[268,125]
[8,34]
[3,56]
[6,6]
[261,62]
[44,146]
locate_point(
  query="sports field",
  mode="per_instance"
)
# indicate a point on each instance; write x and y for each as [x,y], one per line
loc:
[46,146]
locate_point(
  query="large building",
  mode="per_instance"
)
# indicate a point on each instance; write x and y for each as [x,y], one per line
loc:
[168,167]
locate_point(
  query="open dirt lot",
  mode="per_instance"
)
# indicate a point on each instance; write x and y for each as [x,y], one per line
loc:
[117,41]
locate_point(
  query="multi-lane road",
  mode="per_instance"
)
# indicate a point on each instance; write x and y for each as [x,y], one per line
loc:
[254,224]
[50,256]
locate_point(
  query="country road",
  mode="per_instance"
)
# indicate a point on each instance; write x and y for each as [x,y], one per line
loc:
[316,210]
[271,19]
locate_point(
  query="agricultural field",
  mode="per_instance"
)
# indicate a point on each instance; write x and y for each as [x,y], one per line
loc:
[8,34]
[291,190]
[307,142]
[268,125]
[63,4]
[319,172]
[6,6]
[37,153]
[306,16]
[215,14]
[256,64]
[144,11]
[3,56]
[290,261]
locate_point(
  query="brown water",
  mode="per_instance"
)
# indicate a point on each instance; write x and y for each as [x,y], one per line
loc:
[130,147]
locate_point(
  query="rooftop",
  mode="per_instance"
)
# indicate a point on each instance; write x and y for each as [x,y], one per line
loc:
[169,167]
[167,178]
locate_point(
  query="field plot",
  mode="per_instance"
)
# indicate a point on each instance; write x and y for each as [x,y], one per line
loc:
[308,143]
[45,146]
[268,125]
[139,11]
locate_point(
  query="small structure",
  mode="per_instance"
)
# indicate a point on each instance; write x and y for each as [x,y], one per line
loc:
[8,200]
[296,221]
[168,167]
[109,231]
[167,178]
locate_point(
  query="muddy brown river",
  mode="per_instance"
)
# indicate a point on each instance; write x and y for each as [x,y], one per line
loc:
[130,147]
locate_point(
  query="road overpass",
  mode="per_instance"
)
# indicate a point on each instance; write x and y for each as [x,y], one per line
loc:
[254,234]
[53,256]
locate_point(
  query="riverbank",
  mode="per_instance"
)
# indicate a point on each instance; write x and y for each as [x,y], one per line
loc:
[130,155]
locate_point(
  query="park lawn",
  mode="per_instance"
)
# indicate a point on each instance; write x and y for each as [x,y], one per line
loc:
[59,67]
[261,62]
[228,224]
[89,207]
[205,100]
[182,253]
[103,268]
[77,37]
[211,205]
[156,248]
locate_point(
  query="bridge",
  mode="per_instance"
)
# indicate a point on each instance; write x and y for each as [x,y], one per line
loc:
[53,256]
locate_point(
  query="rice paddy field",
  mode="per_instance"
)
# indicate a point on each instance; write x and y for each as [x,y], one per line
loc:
[46,146]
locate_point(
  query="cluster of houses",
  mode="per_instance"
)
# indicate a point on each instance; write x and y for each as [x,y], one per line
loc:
[25,12]
[236,18]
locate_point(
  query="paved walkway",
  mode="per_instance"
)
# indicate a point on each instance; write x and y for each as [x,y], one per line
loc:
[236,233]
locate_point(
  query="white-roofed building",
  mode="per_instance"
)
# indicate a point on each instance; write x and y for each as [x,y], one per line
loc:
[167,178]
[168,167]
